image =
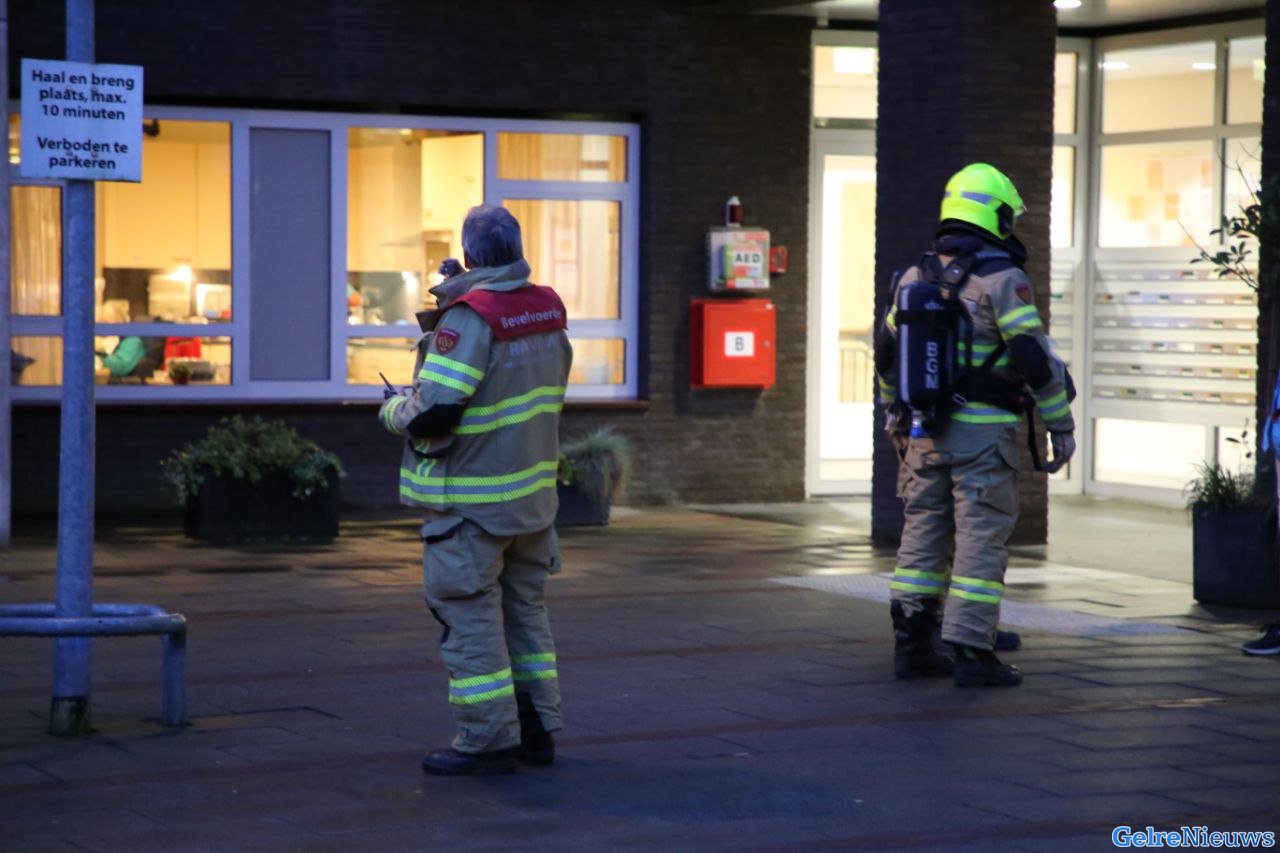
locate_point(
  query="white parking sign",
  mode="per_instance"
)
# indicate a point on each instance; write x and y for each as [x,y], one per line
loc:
[81,121]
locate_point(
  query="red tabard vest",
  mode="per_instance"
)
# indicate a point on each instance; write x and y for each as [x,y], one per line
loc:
[526,310]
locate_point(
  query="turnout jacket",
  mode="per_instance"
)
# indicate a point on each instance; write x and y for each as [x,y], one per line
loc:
[999,301]
[482,418]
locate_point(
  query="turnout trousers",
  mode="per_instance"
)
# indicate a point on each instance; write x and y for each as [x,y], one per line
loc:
[961,502]
[488,593]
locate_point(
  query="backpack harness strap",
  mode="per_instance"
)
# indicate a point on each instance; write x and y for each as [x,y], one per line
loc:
[977,382]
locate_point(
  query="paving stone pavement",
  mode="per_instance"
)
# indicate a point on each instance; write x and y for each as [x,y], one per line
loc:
[708,706]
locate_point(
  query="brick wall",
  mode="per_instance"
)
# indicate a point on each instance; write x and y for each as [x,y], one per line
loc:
[960,81]
[723,104]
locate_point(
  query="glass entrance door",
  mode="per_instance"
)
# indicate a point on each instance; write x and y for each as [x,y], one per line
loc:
[842,296]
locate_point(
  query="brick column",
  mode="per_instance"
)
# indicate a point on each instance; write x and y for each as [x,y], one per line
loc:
[960,81]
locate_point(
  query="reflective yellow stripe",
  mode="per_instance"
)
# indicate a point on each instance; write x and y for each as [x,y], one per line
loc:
[540,675]
[476,698]
[476,680]
[389,413]
[477,419]
[981,413]
[517,418]
[903,586]
[982,351]
[996,585]
[1019,319]
[540,657]
[448,381]
[461,367]
[916,573]
[987,592]
[543,391]
[481,481]
[1054,407]
[443,491]
[407,491]
[974,596]
[1015,316]
[1056,413]
[1053,401]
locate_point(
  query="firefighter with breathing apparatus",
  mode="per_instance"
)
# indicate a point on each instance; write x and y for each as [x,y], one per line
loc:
[962,357]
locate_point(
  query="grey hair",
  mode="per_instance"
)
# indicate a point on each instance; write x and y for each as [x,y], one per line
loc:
[491,237]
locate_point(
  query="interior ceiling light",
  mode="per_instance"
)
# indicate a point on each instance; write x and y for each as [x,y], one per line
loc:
[1066,4]
[1115,65]
[1203,66]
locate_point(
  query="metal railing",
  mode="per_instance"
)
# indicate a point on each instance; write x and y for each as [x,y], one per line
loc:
[855,367]
[114,620]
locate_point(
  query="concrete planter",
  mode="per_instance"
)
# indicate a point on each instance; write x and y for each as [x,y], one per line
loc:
[230,511]
[577,509]
[1234,558]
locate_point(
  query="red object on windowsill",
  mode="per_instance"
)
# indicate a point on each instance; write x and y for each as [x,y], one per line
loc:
[181,348]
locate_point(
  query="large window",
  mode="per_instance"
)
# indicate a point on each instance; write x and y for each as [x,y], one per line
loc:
[572,193]
[162,272]
[305,279]
[407,194]
[1245,72]
[1158,88]
[1173,348]
[1157,194]
[844,83]
[164,245]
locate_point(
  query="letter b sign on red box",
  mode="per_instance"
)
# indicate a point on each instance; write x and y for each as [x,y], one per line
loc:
[733,343]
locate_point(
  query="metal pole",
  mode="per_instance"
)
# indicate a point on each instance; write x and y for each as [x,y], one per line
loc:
[6,376]
[69,710]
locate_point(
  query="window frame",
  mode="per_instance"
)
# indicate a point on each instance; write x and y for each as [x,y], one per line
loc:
[1070,263]
[243,389]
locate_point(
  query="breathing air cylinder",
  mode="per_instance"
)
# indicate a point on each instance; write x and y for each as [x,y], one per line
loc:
[928,327]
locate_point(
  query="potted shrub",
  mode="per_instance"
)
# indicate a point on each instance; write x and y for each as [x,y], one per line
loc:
[1249,252]
[179,372]
[253,480]
[592,468]
[1234,558]
[1234,514]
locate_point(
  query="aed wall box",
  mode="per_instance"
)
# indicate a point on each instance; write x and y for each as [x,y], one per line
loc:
[732,343]
[737,259]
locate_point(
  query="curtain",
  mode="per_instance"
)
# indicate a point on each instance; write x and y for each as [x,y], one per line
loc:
[36,243]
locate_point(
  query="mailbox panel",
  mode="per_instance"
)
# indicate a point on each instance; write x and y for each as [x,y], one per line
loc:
[733,343]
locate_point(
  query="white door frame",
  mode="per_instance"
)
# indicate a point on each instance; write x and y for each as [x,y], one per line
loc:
[825,142]
[857,138]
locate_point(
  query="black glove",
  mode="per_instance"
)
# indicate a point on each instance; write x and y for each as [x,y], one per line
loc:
[1064,447]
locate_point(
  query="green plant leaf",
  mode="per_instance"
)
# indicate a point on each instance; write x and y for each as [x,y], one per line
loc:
[249,449]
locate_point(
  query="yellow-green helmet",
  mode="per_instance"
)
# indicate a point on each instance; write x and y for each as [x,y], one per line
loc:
[982,195]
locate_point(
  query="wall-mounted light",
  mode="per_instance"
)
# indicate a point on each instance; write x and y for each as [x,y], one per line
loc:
[1115,65]
[1066,4]
[1203,66]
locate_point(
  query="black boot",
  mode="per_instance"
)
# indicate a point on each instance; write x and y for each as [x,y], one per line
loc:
[976,667]
[537,746]
[914,652]
[450,762]
[1007,641]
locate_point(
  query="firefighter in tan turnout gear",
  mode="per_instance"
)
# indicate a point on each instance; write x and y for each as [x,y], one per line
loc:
[482,423]
[961,357]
